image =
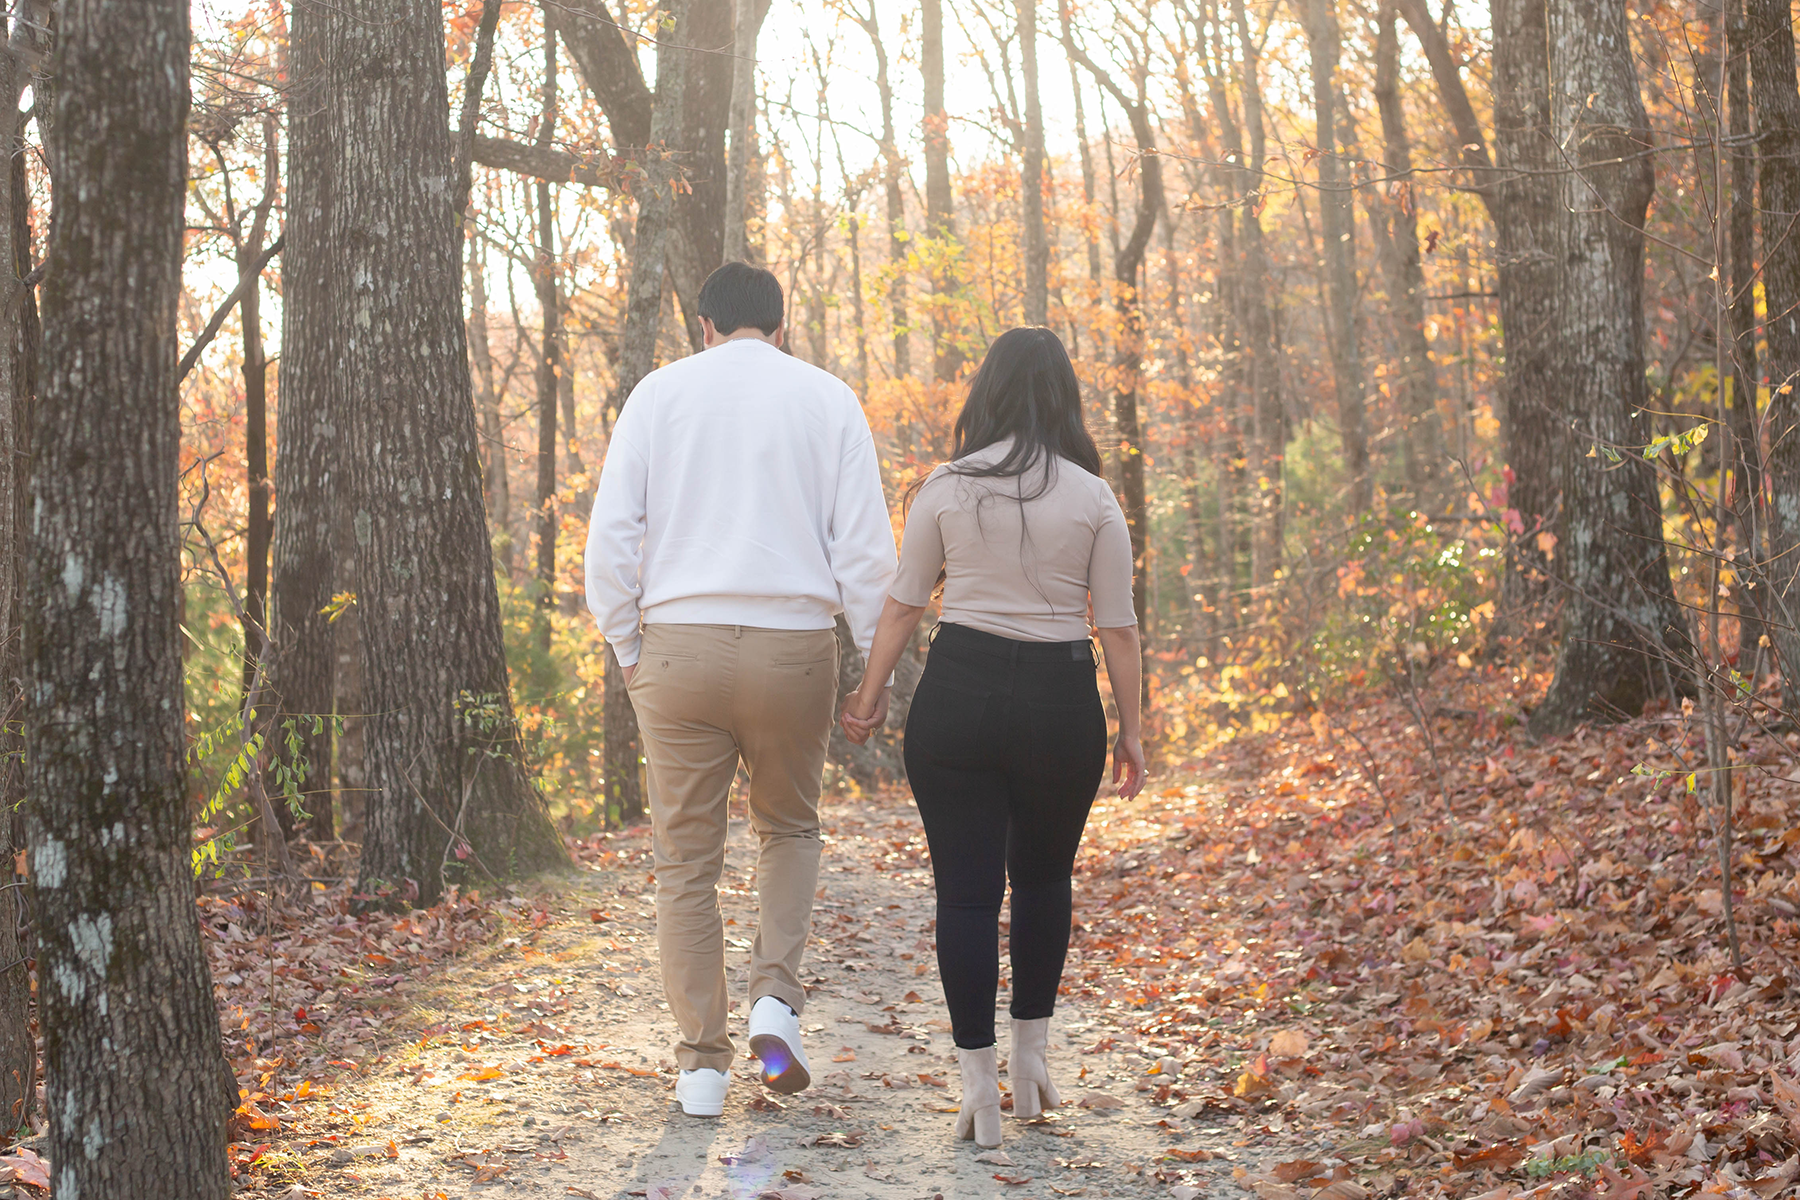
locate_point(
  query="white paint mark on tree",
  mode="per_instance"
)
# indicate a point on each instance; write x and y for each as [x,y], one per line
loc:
[51,863]
[109,604]
[92,939]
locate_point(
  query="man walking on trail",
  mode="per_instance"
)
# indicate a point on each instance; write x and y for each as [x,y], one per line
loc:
[739,511]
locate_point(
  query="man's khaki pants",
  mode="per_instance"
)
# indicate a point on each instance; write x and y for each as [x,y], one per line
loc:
[706,695]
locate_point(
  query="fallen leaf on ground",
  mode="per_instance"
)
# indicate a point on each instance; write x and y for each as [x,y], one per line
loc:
[1289,1043]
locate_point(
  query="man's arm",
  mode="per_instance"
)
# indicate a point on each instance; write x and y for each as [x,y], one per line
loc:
[862,537]
[615,544]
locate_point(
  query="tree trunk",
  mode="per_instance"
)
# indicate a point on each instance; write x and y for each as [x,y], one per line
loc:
[747,20]
[550,364]
[1031,180]
[1088,181]
[1268,420]
[495,476]
[698,135]
[940,204]
[256,465]
[1397,244]
[1337,220]
[1569,213]
[1748,509]
[637,358]
[1128,355]
[448,791]
[126,1002]
[20,334]
[891,176]
[307,510]
[1772,78]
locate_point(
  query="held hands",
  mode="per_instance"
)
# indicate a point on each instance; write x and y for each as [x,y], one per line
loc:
[864,713]
[1128,767]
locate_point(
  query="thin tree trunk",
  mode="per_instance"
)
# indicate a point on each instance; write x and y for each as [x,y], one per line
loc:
[1772,78]
[448,796]
[1128,356]
[1031,181]
[550,364]
[747,19]
[1265,481]
[307,510]
[495,476]
[1337,219]
[20,335]
[1569,214]
[855,222]
[940,204]
[126,1002]
[1416,382]
[891,176]
[637,357]
[258,526]
[1748,509]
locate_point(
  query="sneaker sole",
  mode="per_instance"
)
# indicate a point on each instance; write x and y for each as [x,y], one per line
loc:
[795,1079]
[697,1110]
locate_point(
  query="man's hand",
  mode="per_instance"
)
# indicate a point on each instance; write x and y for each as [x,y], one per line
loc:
[630,673]
[864,714]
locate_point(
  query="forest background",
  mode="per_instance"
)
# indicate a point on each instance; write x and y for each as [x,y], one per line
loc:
[1431,353]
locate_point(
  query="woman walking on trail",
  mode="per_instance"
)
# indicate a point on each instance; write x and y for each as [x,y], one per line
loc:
[1006,738]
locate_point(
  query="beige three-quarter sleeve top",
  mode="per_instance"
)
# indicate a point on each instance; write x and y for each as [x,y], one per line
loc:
[1023,571]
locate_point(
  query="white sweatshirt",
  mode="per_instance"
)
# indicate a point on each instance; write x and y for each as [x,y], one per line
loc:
[740,488]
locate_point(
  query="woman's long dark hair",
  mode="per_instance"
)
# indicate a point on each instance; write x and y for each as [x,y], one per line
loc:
[1025,390]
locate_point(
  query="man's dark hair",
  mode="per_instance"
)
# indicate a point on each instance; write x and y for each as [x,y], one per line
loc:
[738,294]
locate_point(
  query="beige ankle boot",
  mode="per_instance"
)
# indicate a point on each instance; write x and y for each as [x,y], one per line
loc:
[979,1116]
[1029,1069]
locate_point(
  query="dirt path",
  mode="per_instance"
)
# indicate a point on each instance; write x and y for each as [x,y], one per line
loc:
[544,1069]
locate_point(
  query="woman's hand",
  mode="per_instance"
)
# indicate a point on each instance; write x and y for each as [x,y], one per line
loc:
[864,713]
[1128,767]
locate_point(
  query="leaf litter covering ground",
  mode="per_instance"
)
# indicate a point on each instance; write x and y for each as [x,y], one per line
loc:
[520,1048]
[1517,986]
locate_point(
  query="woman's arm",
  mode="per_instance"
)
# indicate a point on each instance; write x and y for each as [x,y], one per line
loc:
[1124,669]
[866,708]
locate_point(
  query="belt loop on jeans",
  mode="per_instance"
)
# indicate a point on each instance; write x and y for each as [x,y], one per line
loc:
[737,633]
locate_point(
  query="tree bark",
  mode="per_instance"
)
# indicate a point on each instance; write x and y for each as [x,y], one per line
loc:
[1128,355]
[637,357]
[1031,179]
[449,795]
[1268,419]
[1569,212]
[1397,224]
[747,19]
[134,1075]
[258,527]
[494,473]
[940,203]
[1748,509]
[550,362]
[1772,80]
[20,335]
[305,567]
[1337,220]
[892,174]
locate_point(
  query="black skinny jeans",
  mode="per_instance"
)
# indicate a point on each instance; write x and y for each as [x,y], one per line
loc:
[1005,749]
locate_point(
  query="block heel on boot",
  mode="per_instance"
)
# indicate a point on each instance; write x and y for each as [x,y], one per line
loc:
[979,1117]
[1029,1069]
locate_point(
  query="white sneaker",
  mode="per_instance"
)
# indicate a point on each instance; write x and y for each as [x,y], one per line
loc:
[775,1039]
[701,1093]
